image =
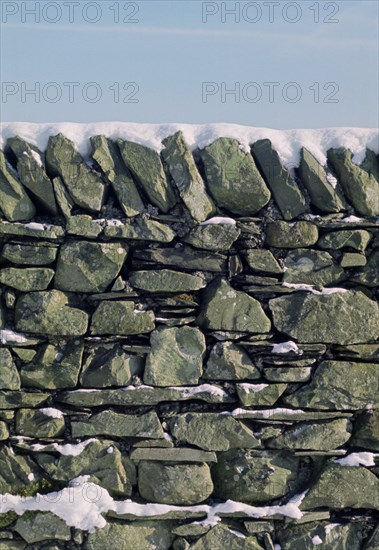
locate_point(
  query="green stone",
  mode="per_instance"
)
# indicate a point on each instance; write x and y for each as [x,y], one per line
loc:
[165,280]
[213,236]
[64,200]
[15,202]
[286,193]
[88,267]
[146,167]
[171,483]
[141,230]
[259,395]
[180,454]
[253,478]
[12,545]
[29,253]
[311,267]
[369,275]
[9,377]
[17,399]
[227,361]
[259,259]
[33,230]
[224,308]
[37,527]
[4,431]
[50,313]
[360,184]
[314,177]
[341,318]
[291,235]
[110,366]
[55,366]
[221,537]
[352,238]
[233,178]
[212,431]
[184,257]
[141,535]
[84,184]
[37,423]
[339,385]
[176,357]
[26,279]
[186,177]
[31,171]
[323,436]
[119,425]
[366,431]
[353,487]
[15,473]
[83,226]
[118,317]
[107,155]
[350,259]
[332,536]
[287,374]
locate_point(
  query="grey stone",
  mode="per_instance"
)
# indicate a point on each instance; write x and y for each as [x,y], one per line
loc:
[213,236]
[83,225]
[254,395]
[40,526]
[180,454]
[26,279]
[15,202]
[184,257]
[165,280]
[118,317]
[33,230]
[323,436]
[119,425]
[145,230]
[369,275]
[19,400]
[291,235]
[259,259]
[352,238]
[141,535]
[63,198]
[221,537]
[366,431]
[311,267]
[350,259]
[227,361]
[40,423]
[29,253]
[329,536]
[9,377]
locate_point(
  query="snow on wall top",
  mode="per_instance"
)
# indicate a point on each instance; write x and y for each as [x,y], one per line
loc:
[287,142]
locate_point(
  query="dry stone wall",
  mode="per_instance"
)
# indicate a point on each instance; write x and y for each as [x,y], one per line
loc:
[189,348]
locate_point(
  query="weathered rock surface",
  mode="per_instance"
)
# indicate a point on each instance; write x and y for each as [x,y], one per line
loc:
[369,275]
[9,377]
[291,235]
[29,253]
[118,317]
[311,267]
[357,239]
[220,537]
[147,230]
[366,431]
[258,395]
[259,259]
[38,527]
[27,279]
[165,280]
[144,535]
[15,202]
[40,422]
[119,425]
[323,436]
[230,362]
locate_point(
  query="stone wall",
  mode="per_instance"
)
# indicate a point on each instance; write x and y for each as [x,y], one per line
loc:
[189,348]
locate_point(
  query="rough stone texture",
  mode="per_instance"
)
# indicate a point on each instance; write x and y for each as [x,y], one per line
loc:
[258,395]
[119,425]
[229,362]
[39,423]
[369,275]
[357,239]
[165,280]
[121,318]
[26,253]
[38,527]
[341,318]
[9,377]
[311,267]
[26,279]
[233,179]
[291,235]
[15,202]
[262,260]
[220,537]
[213,236]
[144,535]
[366,431]
[323,436]
[147,230]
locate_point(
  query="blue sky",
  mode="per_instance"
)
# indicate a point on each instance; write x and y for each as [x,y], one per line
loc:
[275,64]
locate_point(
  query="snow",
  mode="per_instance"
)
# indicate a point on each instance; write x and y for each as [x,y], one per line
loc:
[238,534]
[358,459]
[37,158]
[52,413]
[331,179]
[330,527]
[310,288]
[253,387]
[31,476]
[219,220]
[203,388]
[287,142]
[82,504]
[266,413]
[38,226]
[351,219]
[8,336]
[68,449]
[316,540]
[286,347]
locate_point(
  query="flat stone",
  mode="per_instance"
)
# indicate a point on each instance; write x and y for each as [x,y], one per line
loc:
[366,431]
[84,184]
[311,267]
[40,526]
[246,476]
[165,280]
[224,308]
[119,317]
[323,436]
[350,259]
[186,177]
[175,357]
[37,423]
[141,230]
[29,253]
[233,178]
[314,177]
[15,202]
[63,198]
[357,239]
[9,377]
[49,312]
[83,226]
[360,351]
[290,415]
[119,425]
[287,374]
[88,267]
[342,318]
[261,260]
[253,395]
[213,236]
[110,366]
[221,536]
[146,167]
[369,275]
[170,483]
[212,431]
[353,487]
[107,155]
[31,171]
[227,361]
[19,400]
[26,279]
[360,184]
[173,455]
[15,473]
[329,536]
[291,235]
[184,257]
[4,432]
[287,194]
[144,535]
[339,385]
[33,229]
